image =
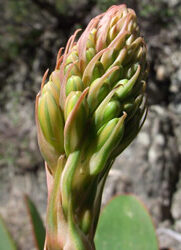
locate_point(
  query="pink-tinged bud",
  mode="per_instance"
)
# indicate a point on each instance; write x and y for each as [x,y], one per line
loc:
[51,121]
[55,78]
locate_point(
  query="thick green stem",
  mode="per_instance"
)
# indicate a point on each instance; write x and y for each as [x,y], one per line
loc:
[69,220]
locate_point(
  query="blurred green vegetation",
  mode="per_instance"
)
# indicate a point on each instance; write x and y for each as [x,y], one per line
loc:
[16,27]
[158,9]
[105,4]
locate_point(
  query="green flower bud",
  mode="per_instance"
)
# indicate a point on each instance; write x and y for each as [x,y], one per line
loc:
[73,69]
[98,71]
[105,132]
[99,89]
[68,173]
[99,158]
[76,114]
[136,104]
[51,121]
[133,50]
[126,86]
[48,152]
[55,78]
[53,90]
[110,55]
[115,76]
[107,110]
[128,106]
[74,83]
[91,39]
[73,57]
[111,111]
[70,103]
[96,96]
[90,53]
[131,71]
[132,128]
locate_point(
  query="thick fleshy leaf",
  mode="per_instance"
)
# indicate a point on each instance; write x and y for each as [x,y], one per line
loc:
[6,241]
[36,222]
[125,224]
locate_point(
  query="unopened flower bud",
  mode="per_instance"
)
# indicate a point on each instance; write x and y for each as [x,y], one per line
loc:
[105,131]
[51,121]
[53,90]
[55,78]
[99,158]
[90,53]
[74,83]
[76,114]
[126,87]
[111,110]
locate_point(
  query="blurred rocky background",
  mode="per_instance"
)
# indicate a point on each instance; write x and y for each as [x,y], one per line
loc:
[31,33]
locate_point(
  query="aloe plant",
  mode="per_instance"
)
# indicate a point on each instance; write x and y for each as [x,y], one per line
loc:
[88,111]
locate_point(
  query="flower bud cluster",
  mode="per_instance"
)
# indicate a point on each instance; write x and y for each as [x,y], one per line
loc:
[97,81]
[90,109]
